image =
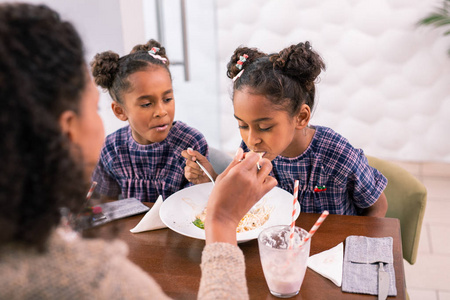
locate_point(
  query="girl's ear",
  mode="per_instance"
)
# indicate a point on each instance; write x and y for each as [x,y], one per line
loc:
[67,122]
[303,116]
[119,111]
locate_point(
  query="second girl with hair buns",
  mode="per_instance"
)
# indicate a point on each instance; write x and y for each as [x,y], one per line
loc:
[273,96]
[142,160]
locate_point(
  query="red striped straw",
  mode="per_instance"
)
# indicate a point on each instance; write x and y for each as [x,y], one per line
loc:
[88,197]
[315,227]
[291,236]
[91,190]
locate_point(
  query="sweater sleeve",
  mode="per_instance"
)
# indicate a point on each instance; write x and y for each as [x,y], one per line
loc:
[223,273]
[125,280]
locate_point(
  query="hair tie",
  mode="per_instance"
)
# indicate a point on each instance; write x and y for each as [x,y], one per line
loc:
[238,75]
[153,52]
[241,61]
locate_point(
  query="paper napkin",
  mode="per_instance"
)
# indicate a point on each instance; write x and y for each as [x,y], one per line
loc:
[151,219]
[329,263]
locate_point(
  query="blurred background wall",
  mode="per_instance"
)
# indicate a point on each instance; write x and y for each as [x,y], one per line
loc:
[387,84]
[386,87]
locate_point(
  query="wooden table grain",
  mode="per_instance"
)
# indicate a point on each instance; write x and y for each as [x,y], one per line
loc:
[173,260]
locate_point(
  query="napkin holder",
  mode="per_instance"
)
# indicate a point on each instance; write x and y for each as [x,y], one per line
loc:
[119,209]
[361,264]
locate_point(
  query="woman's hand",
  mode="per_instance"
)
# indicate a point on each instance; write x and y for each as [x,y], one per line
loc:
[236,190]
[192,171]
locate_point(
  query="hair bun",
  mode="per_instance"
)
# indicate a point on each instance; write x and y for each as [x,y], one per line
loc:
[148,46]
[299,62]
[105,66]
[251,53]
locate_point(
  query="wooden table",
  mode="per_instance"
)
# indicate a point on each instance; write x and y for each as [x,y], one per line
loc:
[173,260]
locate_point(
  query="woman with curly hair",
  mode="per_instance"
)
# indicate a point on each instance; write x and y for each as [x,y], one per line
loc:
[273,97]
[50,143]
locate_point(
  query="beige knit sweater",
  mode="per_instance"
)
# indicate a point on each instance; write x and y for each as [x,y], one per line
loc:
[75,268]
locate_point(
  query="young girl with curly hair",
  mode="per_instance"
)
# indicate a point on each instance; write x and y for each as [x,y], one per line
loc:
[142,160]
[273,96]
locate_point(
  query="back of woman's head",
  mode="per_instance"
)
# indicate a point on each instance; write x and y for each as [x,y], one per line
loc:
[111,71]
[286,78]
[42,74]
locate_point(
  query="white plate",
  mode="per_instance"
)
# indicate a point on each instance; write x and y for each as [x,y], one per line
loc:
[180,209]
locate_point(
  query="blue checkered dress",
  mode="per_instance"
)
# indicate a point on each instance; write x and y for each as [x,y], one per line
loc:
[331,162]
[146,171]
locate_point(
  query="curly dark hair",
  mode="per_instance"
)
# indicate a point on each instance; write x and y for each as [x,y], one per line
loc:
[286,78]
[111,71]
[42,74]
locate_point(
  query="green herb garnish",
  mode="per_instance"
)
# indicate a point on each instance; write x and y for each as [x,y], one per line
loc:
[199,223]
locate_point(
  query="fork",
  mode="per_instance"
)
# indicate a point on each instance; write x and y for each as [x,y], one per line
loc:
[204,170]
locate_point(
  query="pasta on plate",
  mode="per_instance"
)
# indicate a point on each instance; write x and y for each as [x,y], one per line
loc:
[255,218]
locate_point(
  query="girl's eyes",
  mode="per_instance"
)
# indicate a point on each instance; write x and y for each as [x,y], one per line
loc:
[265,129]
[243,127]
[145,105]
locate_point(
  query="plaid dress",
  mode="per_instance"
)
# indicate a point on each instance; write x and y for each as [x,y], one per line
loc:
[146,171]
[330,162]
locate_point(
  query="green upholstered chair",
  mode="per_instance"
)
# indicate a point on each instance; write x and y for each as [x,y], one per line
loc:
[406,197]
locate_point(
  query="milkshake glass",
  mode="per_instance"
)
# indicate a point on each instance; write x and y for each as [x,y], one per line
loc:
[284,268]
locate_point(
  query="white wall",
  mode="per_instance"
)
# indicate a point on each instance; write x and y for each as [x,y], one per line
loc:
[387,84]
